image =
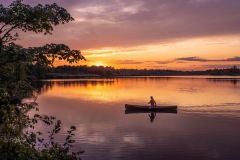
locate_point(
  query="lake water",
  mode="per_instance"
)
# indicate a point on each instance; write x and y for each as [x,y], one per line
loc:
[206,125]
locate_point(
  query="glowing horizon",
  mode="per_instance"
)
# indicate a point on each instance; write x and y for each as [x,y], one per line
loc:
[147,58]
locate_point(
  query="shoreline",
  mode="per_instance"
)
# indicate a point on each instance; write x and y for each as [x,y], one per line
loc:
[79,76]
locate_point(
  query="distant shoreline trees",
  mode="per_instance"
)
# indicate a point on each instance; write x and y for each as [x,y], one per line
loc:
[68,71]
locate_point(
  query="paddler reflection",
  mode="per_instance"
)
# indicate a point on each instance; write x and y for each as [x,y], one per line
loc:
[152,115]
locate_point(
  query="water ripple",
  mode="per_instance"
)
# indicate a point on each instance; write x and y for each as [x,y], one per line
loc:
[224,109]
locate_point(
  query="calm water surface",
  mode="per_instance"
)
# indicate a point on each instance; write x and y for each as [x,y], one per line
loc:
[206,125]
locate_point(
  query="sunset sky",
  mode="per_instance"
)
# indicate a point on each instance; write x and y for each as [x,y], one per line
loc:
[158,34]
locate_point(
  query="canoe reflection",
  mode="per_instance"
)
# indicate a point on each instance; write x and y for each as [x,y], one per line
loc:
[151,114]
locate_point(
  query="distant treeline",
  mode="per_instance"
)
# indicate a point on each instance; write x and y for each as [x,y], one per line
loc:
[101,71]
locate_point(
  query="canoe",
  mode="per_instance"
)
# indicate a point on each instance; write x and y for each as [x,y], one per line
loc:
[149,108]
[134,111]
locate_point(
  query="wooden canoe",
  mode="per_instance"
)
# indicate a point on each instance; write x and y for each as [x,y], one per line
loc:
[134,111]
[149,108]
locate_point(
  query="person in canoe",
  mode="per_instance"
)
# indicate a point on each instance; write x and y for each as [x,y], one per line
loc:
[152,102]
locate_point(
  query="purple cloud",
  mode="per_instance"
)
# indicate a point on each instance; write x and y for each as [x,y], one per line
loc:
[233,59]
[197,59]
[113,23]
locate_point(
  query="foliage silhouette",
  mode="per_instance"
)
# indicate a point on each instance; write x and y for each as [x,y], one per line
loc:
[18,139]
